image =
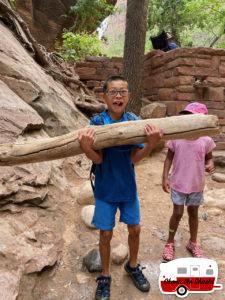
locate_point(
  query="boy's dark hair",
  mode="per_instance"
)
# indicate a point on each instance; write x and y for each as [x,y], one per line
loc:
[110,79]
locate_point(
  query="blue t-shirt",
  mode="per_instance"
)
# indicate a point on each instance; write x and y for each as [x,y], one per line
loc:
[115,177]
[171,46]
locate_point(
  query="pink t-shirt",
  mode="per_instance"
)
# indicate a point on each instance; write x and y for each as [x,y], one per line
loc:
[188,172]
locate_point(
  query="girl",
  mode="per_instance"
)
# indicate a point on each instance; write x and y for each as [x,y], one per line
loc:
[190,159]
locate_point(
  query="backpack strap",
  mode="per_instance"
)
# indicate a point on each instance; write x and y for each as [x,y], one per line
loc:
[97,119]
[92,173]
[131,116]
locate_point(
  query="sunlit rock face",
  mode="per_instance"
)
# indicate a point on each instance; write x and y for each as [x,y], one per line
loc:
[31,227]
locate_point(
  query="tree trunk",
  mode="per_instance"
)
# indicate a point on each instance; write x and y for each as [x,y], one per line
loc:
[134,48]
[131,132]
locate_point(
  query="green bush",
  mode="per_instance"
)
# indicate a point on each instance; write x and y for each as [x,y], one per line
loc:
[77,46]
[13,3]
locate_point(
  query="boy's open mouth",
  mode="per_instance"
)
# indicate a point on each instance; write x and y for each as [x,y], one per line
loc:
[118,103]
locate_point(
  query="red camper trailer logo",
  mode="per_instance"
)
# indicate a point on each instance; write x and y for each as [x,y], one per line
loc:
[184,276]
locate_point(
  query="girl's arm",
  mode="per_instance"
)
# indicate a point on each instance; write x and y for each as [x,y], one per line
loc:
[166,169]
[209,164]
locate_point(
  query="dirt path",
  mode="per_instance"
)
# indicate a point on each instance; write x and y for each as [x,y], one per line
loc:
[61,283]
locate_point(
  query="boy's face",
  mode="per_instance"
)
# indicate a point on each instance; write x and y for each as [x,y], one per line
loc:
[116,98]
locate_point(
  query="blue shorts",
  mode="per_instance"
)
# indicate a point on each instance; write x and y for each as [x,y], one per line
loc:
[192,199]
[104,214]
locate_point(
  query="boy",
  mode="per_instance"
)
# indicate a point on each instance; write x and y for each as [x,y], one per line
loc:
[115,185]
[190,159]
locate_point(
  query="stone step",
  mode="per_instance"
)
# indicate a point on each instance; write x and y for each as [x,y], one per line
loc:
[220,146]
[219,157]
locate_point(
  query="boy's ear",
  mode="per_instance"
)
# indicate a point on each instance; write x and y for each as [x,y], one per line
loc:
[104,97]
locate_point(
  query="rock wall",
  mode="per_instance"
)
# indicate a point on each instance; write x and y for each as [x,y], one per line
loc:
[94,70]
[47,19]
[173,78]
[185,75]
[32,106]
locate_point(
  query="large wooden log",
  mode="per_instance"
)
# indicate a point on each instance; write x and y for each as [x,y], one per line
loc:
[189,126]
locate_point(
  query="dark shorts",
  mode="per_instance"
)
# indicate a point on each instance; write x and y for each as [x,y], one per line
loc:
[104,214]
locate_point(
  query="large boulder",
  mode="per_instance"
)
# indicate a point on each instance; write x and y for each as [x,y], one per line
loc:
[50,16]
[24,251]
[22,187]
[153,110]
[49,98]
[219,158]
[84,194]
[16,116]
[219,177]
[215,198]
[42,15]
[32,106]
[19,184]
[87,214]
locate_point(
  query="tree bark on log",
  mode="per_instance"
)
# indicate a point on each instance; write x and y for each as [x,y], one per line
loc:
[131,132]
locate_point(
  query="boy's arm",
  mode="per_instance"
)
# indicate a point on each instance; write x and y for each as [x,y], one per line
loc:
[166,169]
[86,140]
[153,135]
[209,164]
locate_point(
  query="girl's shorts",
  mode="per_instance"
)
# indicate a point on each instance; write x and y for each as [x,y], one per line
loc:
[192,199]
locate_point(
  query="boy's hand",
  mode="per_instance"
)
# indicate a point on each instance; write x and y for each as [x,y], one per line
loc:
[153,134]
[209,167]
[86,138]
[166,185]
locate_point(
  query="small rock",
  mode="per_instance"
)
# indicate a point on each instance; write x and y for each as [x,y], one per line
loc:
[81,278]
[219,177]
[215,198]
[213,243]
[30,235]
[74,191]
[84,195]
[153,110]
[214,212]
[87,213]
[204,216]
[119,254]
[221,263]
[160,234]
[178,239]
[219,158]
[92,261]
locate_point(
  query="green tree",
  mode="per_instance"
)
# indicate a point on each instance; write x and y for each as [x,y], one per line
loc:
[167,15]
[208,16]
[89,14]
[77,46]
[191,22]
[81,40]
